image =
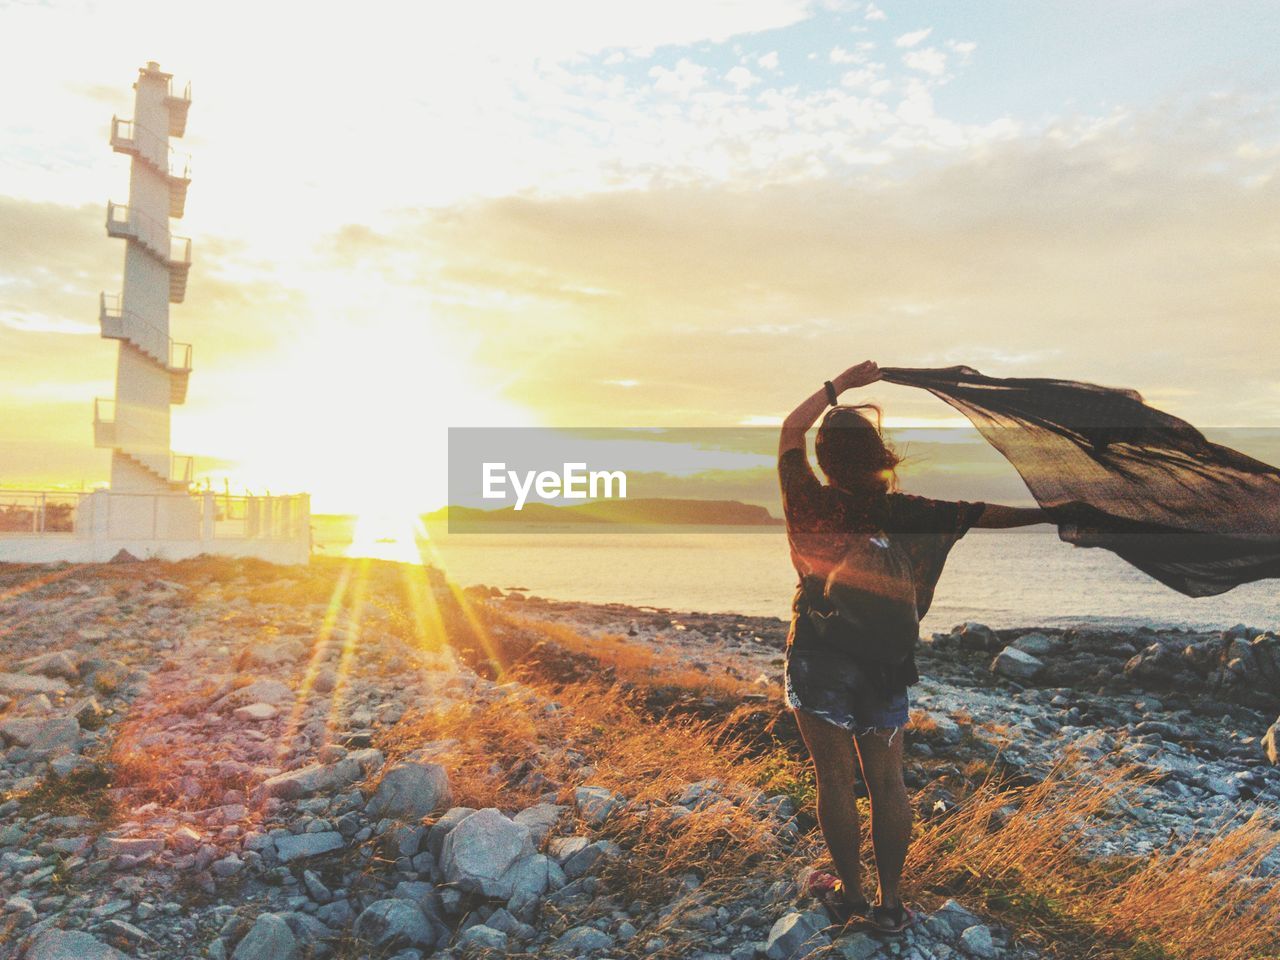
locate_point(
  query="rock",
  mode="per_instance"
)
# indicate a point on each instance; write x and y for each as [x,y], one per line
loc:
[580,941]
[564,848]
[270,938]
[260,691]
[976,636]
[797,935]
[22,684]
[857,946]
[256,712]
[976,941]
[1036,644]
[40,735]
[480,850]
[582,861]
[480,938]
[1271,742]
[71,945]
[322,777]
[596,804]
[410,791]
[305,845]
[129,846]
[956,917]
[391,924]
[1016,664]
[56,664]
[441,828]
[540,819]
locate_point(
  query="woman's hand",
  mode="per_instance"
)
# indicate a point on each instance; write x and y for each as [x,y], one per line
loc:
[859,376]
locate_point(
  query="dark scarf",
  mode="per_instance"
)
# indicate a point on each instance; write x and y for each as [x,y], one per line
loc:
[1112,472]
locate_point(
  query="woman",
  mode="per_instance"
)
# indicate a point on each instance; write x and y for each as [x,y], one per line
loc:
[850,709]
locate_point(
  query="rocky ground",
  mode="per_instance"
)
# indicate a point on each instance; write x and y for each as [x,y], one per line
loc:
[207,760]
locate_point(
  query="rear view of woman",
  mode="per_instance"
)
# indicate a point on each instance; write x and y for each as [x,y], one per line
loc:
[851,708]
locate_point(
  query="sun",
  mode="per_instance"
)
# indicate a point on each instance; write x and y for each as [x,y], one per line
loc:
[387,534]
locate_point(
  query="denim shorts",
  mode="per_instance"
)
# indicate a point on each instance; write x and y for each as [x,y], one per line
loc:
[831,686]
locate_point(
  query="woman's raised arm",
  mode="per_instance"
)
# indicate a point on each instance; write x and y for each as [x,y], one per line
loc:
[799,420]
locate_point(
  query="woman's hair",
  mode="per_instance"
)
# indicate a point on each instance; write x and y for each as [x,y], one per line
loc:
[853,454]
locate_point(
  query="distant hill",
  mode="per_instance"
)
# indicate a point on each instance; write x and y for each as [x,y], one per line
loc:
[638,511]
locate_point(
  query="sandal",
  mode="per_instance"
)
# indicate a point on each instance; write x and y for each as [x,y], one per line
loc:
[829,892]
[891,919]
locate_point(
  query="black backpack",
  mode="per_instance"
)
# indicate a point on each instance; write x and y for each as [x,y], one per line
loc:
[867,603]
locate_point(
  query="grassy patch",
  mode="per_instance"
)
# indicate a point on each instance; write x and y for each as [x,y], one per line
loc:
[81,793]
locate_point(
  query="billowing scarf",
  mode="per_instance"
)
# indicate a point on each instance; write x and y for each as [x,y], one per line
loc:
[1112,472]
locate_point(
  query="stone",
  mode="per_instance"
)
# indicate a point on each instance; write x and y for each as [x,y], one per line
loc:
[581,862]
[56,664]
[306,845]
[322,777]
[564,848]
[41,735]
[1016,664]
[391,924]
[1271,742]
[442,827]
[23,684]
[71,945]
[480,850]
[857,946]
[976,636]
[270,938]
[797,935]
[1036,644]
[129,846]
[580,941]
[976,941]
[480,938]
[410,791]
[596,804]
[956,917]
[260,691]
[541,818]
[256,713]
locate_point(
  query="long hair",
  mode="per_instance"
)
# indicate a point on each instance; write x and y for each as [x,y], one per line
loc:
[852,452]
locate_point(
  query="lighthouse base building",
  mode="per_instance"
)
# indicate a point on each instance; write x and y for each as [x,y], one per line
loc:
[149,509]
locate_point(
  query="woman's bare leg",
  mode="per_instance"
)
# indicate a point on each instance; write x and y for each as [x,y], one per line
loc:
[880,752]
[835,763]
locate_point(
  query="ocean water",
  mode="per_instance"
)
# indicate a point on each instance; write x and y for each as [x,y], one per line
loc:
[1004,578]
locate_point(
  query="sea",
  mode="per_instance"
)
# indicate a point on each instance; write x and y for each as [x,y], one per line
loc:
[1004,578]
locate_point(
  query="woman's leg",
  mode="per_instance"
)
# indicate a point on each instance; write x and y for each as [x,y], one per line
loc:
[834,764]
[880,751]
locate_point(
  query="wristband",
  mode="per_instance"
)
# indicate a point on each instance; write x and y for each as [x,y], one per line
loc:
[832,397]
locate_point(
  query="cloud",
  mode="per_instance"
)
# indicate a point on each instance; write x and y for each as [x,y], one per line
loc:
[1027,257]
[682,80]
[875,13]
[913,38]
[741,78]
[769,60]
[930,60]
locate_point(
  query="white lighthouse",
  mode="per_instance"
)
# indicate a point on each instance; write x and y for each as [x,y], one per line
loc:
[149,509]
[151,369]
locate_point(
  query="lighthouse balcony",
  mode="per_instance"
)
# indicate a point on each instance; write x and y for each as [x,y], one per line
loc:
[119,323]
[179,268]
[104,422]
[137,141]
[178,104]
[179,371]
[154,237]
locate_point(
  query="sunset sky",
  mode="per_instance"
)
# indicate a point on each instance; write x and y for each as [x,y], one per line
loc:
[413,216]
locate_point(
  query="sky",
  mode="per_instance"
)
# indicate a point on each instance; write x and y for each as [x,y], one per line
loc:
[408,217]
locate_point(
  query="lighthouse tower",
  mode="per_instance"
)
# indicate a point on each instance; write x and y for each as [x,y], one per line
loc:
[151,369]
